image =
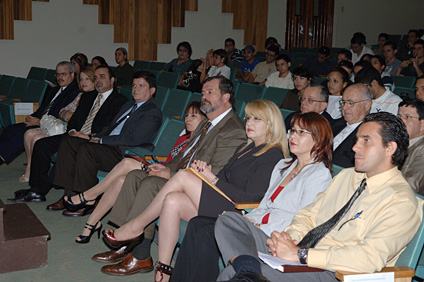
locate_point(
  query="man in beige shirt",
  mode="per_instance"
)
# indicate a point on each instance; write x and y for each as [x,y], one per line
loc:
[264,69]
[383,216]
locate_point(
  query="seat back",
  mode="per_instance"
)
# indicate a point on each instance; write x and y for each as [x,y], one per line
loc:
[168,79]
[51,76]
[404,92]
[285,112]
[6,83]
[139,65]
[35,91]
[195,96]
[156,66]
[156,73]
[168,135]
[126,90]
[404,81]
[275,94]
[249,92]
[239,108]
[176,103]
[17,91]
[161,96]
[336,169]
[37,73]
[319,80]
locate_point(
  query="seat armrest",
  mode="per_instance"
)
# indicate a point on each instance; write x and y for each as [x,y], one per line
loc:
[247,205]
[400,272]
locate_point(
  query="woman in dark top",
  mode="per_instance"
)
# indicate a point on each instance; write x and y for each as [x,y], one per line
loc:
[245,178]
[183,62]
[302,79]
[124,71]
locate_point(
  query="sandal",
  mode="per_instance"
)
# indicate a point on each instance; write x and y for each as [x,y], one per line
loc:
[23,179]
[162,268]
[92,228]
[74,207]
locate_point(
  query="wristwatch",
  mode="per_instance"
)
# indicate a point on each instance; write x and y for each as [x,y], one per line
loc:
[302,254]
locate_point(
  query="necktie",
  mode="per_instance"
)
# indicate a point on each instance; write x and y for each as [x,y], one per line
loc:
[316,234]
[46,110]
[122,119]
[183,163]
[86,128]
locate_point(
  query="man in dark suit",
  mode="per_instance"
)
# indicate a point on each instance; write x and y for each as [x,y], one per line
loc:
[314,99]
[12,139]
[356,104]
[224,132]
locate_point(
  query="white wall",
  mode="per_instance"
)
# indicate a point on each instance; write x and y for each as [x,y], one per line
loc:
[375,16]
[277,17]
[58,29]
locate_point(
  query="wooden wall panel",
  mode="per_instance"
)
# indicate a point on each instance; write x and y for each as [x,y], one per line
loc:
[104,9]
[91,2]
[191,5]
[118,15]
[178,13]
[164,21]
[6,19]
[22,10]
[145,31]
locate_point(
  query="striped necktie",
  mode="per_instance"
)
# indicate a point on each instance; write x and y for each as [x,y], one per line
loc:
[46,110]
[86,128]
[316,234]
[184,161]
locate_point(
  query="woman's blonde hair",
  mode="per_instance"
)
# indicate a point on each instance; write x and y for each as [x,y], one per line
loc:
[269,113]
[89,71]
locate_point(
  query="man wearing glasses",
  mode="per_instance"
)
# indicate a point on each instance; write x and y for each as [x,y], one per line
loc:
[411,112]
[355,105]
[12,139]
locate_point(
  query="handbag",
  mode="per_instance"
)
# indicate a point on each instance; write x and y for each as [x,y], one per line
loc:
[52,125]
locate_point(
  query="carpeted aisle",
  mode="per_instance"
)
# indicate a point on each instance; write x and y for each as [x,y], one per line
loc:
[67,260]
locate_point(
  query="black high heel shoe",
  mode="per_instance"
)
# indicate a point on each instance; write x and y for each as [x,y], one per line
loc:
[85,239]
[110,240]
[74,207]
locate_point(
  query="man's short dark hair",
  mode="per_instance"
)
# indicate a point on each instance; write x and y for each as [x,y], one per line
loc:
[274,48]
[413,31]
[358,38]
[270,41]
[323,91]
[385,35]
[416,103]
[230,40]
[148,76]
[391,43]
[303,72]
[222,53]
[419,42]
[324,50]
[368,75]
[392,129]
[347,54]
[364,64]
[283,57]
[380,59]
[109,70]
[225,86]
[347,64]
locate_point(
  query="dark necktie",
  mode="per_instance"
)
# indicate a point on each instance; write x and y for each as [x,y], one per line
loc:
[183,163]
[46,110]
[123,118]
[316,234]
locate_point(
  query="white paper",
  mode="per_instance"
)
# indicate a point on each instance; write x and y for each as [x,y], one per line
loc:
[380,277]
[276,262]
[24,108]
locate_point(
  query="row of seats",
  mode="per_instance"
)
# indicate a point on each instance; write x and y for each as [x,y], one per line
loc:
[42,74]
[18,89]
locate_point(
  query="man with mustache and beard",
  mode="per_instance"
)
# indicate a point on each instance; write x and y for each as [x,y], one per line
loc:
[214,141]
[12,139]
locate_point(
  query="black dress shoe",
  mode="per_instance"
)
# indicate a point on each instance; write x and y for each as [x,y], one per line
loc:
[21,193]
[247,276]
[30,197]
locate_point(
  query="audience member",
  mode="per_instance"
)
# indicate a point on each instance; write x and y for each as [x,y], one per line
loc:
[405,52]
[419,88]
[219,67]
[313,99]
[319,65]
[337,81]
[282,78]
[124,71]
[360,65]
[86,85]
[382,215]
[366,58]
[12,138]
[207,61]
[411,112]
[294,184]
[98,61]
[389,53]
[264,69]
[273,41]
[358,48]
[183,62]
[302,79]
[94,112]
[244,178]
[380,65]
[344,55]
[382,39]
[355,105]
[226,132]
[112,183]
[234,54]
[249,63]
[79,61]
[383,100]
[348,67]
[415,65]
[190,80]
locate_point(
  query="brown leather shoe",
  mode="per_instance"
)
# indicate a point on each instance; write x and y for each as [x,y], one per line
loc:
[129,265]
[81,212]
[58,206]
[110,256]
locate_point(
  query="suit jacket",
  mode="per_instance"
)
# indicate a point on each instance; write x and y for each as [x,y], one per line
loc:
[413,167]
[67,96]
[344,156]
[288,119]
[104,116]
[218,145]
[140,129]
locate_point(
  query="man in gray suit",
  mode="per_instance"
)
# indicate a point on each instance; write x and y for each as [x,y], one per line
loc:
[412,114]
[224,132]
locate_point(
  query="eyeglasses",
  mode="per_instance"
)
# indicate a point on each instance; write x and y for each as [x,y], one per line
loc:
[254,119]
[349,103]
[309,100]
[407,117]
[63,74]
[300,132]
[182,50]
